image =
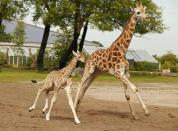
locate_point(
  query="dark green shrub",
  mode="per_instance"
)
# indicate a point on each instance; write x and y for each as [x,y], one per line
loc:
[144,66]
[2,59]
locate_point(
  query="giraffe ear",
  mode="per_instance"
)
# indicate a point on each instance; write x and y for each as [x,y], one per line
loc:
[74,53]
[78,51]
[131,9]
[144,8]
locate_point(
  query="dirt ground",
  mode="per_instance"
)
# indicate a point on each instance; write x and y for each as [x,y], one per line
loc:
[102,109]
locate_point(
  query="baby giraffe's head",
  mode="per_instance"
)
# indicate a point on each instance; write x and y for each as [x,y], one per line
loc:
[79,55]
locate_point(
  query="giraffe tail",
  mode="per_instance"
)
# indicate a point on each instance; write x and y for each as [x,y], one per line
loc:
[35,81]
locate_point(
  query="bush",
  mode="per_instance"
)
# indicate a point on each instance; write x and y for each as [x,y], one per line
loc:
[169,61]
[2,59]
[169,65]
[144,66]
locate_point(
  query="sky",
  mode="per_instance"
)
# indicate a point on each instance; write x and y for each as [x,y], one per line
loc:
[153,43]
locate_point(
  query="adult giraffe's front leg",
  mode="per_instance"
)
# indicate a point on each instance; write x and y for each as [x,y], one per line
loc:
[121,75]
[83,88]
[87,79]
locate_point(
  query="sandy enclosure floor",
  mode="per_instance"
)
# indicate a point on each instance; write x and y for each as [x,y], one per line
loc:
[103,108]
[151,93]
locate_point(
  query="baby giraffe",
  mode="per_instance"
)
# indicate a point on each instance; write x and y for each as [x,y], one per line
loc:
[56,80]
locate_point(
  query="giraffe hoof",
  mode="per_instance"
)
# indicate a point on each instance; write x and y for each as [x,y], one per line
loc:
[30,110]
[147,113]
[135,117]
[47,117]
[78,122]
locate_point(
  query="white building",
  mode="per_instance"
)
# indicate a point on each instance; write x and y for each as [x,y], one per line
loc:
[33,37]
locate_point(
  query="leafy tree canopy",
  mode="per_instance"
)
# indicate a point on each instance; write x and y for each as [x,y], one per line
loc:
[169,57]
[114,15]
[19,34]
[10,10]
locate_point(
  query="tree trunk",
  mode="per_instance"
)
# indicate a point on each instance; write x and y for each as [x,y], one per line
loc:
[0,22]
[40,58]
[73,46]
[1,30]
[83,36]
[1,18]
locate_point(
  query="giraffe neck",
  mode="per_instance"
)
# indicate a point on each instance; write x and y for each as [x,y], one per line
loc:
[123,41]
[71,66]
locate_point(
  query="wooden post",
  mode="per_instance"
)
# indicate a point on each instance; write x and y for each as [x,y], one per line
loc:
[17,61]
[26,59]
[9,60]
[7,56]
[22,60]
[13,62]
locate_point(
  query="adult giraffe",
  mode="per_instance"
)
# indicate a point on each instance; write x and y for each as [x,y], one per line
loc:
[113,61]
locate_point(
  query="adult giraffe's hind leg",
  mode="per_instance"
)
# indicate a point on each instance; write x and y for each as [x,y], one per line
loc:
[88,77]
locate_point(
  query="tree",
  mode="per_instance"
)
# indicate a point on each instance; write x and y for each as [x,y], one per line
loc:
[50,13]
[107,16]
[42,9]
[19,39]
[83,36]
[76,23]
[10,10]
[168,57]
[19,34]
[169,60]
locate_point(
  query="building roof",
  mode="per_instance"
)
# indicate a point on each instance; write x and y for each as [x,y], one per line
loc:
[33,34]
[136,55]
[140,56]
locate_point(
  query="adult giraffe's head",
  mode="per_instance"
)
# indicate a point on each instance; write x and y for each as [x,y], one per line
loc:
[140,10]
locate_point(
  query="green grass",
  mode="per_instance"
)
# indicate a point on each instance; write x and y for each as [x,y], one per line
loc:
[20,75]
[136,79]
[153,79]
[11,75]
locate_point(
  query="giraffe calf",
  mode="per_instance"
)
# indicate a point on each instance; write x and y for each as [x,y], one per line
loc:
[56,80]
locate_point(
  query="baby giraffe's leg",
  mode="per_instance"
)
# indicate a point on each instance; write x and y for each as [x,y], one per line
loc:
[69,96]
[53,100]
[46,102]
[34,104]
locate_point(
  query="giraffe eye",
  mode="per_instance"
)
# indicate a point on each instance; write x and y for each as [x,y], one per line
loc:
[138,13]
